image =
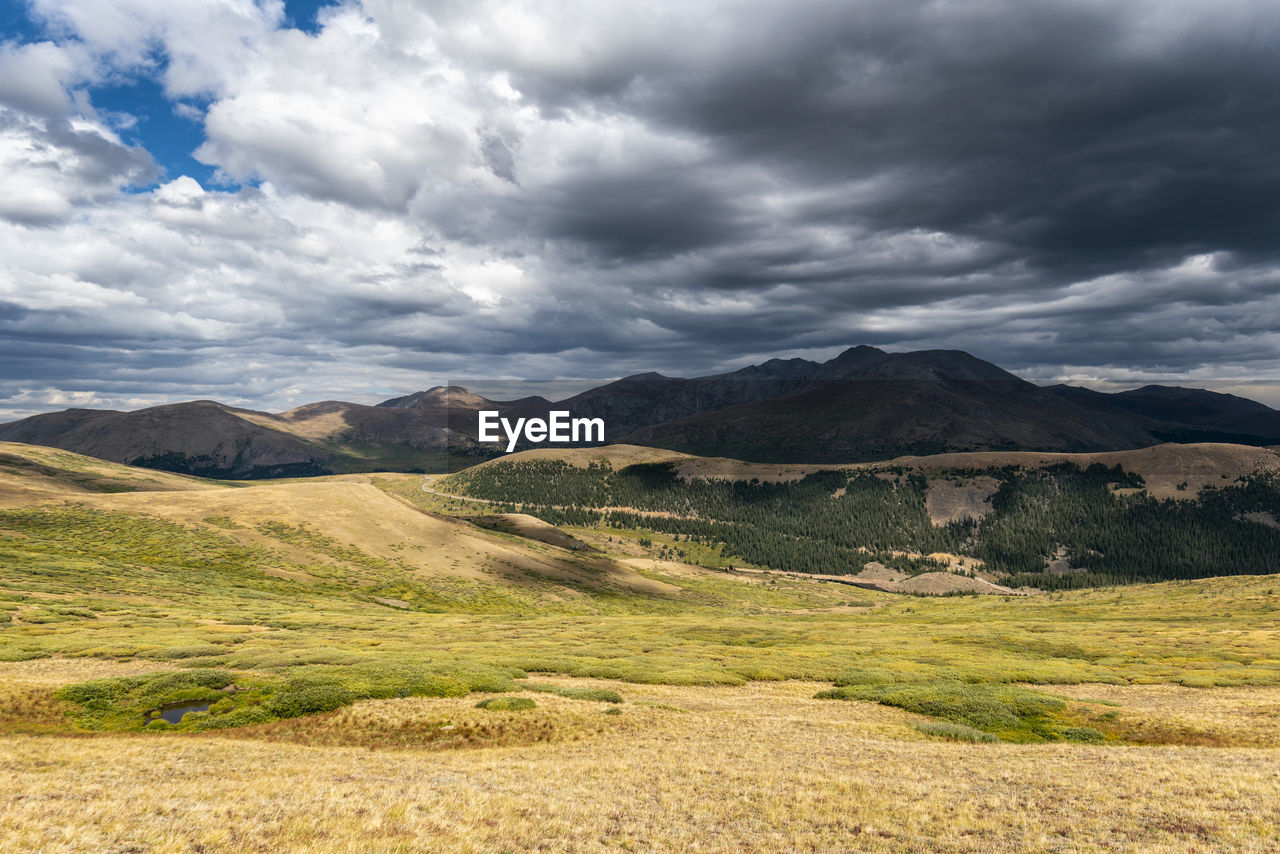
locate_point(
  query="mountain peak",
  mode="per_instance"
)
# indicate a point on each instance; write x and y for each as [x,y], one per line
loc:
[436,396]
[647,376]
[860,351]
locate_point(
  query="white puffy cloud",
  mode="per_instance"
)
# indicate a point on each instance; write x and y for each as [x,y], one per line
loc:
[51,167]
[36,77]
[196,46]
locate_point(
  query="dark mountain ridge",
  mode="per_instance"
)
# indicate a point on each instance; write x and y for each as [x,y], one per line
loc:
[867,404]
[1176,414]
[864,404]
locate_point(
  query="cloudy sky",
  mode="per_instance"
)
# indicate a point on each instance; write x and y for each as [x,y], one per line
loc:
[271,203]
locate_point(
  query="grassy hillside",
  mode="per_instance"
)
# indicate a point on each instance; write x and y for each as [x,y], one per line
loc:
[337,634]
[339,573]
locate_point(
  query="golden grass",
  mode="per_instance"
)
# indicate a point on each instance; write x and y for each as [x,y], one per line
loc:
[384,526]
[52,672]
[433,723]
[1174,714]
[31,473]
[754,768]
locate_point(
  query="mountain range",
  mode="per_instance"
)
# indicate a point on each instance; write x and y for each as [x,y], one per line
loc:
[865,404]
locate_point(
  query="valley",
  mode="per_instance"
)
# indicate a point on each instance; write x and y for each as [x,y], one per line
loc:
[346,627]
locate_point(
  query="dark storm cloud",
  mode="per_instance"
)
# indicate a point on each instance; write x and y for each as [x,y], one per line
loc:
[641,215]
[1086,136]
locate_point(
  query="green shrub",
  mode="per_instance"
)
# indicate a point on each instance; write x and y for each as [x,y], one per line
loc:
[489,682]
[759,674]
[506,704]
[15,654]
[435,685]
[246,716]
[307,700]
[186,685]
[41,617]
[956,732]
[384,683]
[179,652]
[94,694]
[983,706]
[861,677]
[124,702]
[192,695]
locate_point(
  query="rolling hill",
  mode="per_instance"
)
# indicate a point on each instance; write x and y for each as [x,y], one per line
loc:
[327,531]
[201,437]
[433,430]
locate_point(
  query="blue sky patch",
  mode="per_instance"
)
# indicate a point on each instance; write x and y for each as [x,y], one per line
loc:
[137,107]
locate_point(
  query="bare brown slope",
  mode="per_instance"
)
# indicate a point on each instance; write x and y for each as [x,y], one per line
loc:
[214,440]
[201,438]
[30,473]
[530,527]
[438,422]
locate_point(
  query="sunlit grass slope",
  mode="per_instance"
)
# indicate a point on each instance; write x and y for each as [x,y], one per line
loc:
[315,577]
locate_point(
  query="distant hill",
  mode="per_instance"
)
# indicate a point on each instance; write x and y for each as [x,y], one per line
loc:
[863,405]
[431,430]
[1178,414]
[201,437]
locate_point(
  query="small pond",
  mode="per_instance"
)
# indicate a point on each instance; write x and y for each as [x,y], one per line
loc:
[173,712]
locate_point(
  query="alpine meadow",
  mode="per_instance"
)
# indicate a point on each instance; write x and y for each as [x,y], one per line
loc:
[412,667]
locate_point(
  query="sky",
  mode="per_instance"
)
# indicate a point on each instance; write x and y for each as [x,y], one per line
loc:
[272,203]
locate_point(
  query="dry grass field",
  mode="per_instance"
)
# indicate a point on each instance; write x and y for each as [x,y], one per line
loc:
[760,767]
[341,631]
